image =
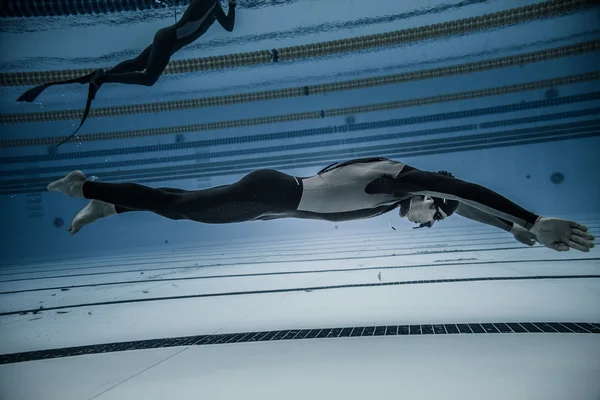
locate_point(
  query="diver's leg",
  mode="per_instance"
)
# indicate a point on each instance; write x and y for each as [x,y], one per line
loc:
[119,72]
[259,193]
[135,64]
[71,185]
[97,209]
[127,195]
[157,58]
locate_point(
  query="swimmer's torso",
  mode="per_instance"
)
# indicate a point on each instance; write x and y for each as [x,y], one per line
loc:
[338,194]
[198,17]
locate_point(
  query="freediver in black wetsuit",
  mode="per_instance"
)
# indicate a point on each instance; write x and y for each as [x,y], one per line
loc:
[356,189]
[146,68]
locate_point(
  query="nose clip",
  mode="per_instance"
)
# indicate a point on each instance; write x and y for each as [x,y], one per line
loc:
[427,224]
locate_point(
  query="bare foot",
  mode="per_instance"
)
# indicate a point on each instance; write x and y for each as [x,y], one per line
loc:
[95,210]
[71,185]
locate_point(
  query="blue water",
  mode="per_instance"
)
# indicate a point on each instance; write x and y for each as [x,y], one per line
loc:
[178,306]
[521,171]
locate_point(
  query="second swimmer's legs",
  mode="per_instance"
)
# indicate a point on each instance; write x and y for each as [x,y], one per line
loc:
[154,61]
[151,61]
[135,64]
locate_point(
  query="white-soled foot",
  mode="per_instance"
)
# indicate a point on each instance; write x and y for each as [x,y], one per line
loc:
[71,185]
[95,210]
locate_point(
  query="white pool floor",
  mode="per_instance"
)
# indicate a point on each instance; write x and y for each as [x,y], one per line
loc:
[378,278]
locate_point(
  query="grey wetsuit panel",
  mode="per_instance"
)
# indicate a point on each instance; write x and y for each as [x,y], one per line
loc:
[342,190]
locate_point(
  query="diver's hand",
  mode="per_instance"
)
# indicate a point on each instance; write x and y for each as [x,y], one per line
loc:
[562,235]
[523,235]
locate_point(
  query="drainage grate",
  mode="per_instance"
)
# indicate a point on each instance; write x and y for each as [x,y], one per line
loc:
[319,333]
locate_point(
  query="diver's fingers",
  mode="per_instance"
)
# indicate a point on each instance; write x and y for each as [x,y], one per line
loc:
[577,246]
[583,234]
[581,241]
[578,226]
[559,247]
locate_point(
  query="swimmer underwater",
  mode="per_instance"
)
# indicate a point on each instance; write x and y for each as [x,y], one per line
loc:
[147,67]
[353,190]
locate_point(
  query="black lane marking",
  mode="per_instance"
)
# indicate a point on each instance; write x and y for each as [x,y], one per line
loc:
[270,262]
[301,272]
[258,253]
[248,251]
[141,259]
[354,249]
[314,288]
[484,328]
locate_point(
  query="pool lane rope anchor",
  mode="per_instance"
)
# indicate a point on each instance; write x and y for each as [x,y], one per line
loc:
[275,55]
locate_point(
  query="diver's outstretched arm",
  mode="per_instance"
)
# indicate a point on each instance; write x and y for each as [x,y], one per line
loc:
[475,214]
[226,21]
[521,234]
[557,234]
[432,184]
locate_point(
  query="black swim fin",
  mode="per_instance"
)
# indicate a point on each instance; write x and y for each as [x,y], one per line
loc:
[91,96]
[33,93]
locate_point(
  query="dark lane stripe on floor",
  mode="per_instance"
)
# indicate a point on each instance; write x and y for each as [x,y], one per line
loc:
[318,333]
[249,260]
[299,272]
[445,252]
[304,289]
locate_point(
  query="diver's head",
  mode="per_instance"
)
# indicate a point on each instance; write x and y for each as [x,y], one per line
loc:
[426,210]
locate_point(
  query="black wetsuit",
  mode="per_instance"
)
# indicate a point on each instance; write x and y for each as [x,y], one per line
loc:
[146,68]
[356,189]
[198,17]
